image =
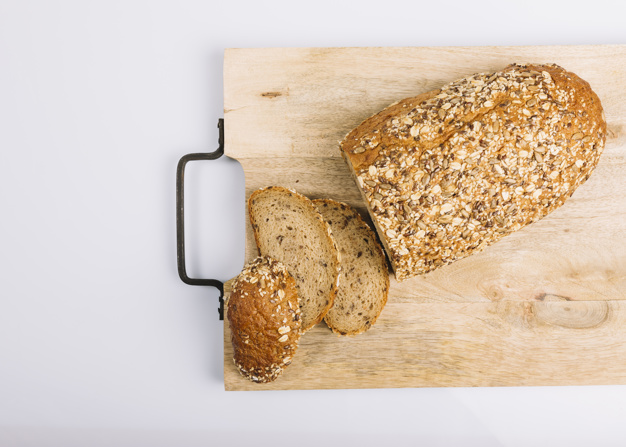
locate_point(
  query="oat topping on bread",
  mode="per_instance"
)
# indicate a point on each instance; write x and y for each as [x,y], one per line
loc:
[451,171]
[265,320]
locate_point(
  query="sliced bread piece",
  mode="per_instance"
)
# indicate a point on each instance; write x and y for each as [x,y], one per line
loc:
[264,318]
[364,283]
[288,227]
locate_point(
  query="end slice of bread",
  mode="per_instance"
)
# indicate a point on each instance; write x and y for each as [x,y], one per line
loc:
[364,283]
[288,228]
[264,319]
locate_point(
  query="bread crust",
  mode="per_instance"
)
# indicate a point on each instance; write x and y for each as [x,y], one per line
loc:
[451,171]
[315,215]
[265,320]
[366,231]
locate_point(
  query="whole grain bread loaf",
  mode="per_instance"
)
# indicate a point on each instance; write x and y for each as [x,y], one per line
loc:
[364,281]
[288,227]
[264,318]
[451,171]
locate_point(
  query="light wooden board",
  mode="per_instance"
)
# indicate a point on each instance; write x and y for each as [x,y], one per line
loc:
[544,306]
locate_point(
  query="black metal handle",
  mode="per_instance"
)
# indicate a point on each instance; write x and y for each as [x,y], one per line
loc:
[180,217]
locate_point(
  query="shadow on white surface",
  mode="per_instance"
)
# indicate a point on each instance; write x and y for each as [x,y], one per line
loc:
[35,437]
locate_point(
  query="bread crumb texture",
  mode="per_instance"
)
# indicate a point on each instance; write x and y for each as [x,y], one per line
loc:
[288,228]
[265,319]
[364,279]
[451,171]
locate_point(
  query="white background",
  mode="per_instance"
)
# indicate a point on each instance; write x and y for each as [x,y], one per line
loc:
[100,343]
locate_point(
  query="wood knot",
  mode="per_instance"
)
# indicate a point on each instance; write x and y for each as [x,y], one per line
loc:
[572,314]
[271,94]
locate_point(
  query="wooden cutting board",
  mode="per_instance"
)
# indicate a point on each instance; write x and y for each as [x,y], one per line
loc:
[544,306]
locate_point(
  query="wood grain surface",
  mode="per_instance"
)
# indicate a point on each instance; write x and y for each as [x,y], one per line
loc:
[541,307]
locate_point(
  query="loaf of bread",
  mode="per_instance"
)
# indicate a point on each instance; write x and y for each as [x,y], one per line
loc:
[288,228]
[364,281]
[451,171]
[264,317]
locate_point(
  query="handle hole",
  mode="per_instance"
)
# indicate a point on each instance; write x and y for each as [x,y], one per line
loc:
[214,218]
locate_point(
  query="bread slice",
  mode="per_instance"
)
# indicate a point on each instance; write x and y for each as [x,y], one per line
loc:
[288,227]
[264,317]
[364,283]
